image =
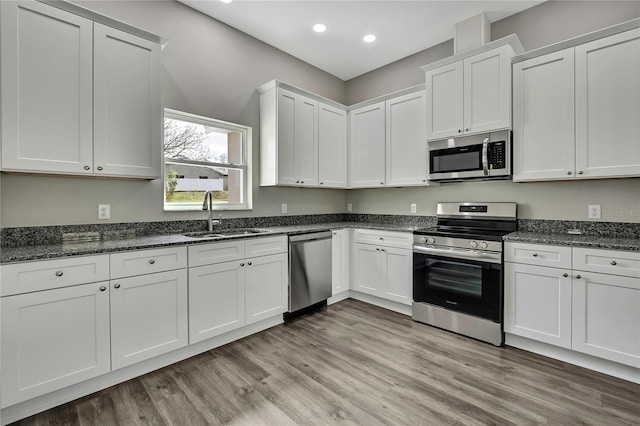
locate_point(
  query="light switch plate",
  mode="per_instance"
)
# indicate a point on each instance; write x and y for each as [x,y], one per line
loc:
[595,211]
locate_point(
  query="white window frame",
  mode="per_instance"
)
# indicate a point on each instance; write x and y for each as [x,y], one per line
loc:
[247,186]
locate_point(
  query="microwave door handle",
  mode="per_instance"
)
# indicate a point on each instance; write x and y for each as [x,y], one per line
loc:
[485,160]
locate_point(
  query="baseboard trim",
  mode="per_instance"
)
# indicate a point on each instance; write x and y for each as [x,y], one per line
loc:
[383,303]
[53,399]
[600,365]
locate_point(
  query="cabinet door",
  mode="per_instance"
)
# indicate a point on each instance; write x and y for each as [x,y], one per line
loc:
[128,115]
[399,279]
[340,261]
[444,101]
[148,316]
[47,72]
[307,141]
[537,303]
[266,284]
[52,339]
[606,317]
[367,160]
[543,117]
[487,91]
[608,106]
[286,135]
[216,299]
[406,144]
[370,269]
[332,147]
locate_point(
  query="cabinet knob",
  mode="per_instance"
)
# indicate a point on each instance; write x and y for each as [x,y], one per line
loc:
[580,172]
[569,173]
[381,239]
[321,183]
[578,276]
[102,288]
[87,167]
[377,249]
[242,264]
[301,181]
[116,286]
[297,181]
[151,261]
[383,250]
[613,262]
[459,131]
[59,273]
[466,130]
[249,263]
[99,167]
[535,255]
[335,233]
[565,275]
[381,183]
[424,180]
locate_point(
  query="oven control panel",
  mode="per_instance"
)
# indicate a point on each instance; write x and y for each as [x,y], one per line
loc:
[427,240]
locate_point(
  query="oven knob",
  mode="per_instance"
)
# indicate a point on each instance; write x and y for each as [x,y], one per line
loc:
[484,245]
[431,240]
[473,244]
[421,239]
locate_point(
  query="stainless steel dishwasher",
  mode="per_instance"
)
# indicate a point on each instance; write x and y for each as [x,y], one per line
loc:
[309,269]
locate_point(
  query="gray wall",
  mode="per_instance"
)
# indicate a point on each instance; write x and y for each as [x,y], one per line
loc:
[210,69]
[541,25]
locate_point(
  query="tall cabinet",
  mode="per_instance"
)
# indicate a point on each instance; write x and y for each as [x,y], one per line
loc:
[576,108]
[78,97]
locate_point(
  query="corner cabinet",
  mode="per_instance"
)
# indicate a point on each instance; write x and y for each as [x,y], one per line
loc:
[470,93]
[292,127]
[92,108]
[576,109]
[367,146]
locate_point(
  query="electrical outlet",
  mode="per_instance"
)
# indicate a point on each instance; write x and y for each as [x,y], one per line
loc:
[349,207]
[104,211]
[414,208]
[594,211]
[284,207]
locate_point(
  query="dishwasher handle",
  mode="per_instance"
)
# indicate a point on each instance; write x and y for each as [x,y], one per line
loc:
[324,235]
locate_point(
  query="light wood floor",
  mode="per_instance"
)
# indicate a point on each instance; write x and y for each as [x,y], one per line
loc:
[353,363]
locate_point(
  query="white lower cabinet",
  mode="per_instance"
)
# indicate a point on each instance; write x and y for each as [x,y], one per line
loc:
[52,339]
[538,303]
[584,309]
[267,285]
[148,316]
[380,269]
[340,248]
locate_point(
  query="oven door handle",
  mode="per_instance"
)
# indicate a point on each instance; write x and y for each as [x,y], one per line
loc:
[485,156]
[490,257]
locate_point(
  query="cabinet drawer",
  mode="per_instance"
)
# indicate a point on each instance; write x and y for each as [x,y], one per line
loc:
[147,261]
[614,262]
[48,274]
[538,254]
[255,247]
[384,238]
[207,254]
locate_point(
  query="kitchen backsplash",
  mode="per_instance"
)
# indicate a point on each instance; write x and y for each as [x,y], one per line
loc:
[43,235]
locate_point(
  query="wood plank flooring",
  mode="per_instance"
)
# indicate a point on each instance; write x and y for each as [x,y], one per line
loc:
[353,363]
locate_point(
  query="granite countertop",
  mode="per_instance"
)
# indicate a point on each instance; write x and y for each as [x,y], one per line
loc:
[603,242]
[52,251]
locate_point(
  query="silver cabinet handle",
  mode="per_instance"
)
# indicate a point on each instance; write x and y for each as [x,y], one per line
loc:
[102,288]
[569,173]
[614,263]
[151,261]
[578,276]
[116,286]
[87,167]
[565,275]
[59,273]
[535,255]
[99,167]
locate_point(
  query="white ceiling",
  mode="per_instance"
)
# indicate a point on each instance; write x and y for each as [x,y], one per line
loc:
[402,27]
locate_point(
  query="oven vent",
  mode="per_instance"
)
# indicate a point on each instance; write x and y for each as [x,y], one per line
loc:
[471,33]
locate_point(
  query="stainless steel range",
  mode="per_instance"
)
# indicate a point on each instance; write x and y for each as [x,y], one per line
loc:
[458,276]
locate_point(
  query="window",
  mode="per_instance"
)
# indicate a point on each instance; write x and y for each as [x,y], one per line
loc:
[204,154]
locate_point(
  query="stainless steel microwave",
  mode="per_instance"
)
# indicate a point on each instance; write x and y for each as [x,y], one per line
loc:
[476,157]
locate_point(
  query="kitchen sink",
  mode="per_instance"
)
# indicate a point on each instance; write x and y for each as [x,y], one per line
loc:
[226,233]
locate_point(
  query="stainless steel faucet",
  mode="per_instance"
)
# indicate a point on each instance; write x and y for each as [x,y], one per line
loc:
[208,205]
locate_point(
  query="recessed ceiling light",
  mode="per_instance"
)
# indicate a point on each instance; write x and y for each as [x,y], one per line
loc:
[369,38]
[319,28]
[226,1]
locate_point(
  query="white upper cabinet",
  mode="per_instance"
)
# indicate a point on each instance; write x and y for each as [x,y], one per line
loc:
[367,146]
[127,125]
[406,159]
[471,95]
[92,108]
[576,111]
[332,147]
[47,101]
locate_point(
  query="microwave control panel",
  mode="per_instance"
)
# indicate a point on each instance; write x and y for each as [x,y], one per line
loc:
[496,155]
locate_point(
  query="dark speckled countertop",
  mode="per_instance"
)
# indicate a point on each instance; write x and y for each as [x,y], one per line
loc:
[52,251]
[594,241]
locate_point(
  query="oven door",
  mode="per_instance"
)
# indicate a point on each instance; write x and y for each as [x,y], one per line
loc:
[459,283]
